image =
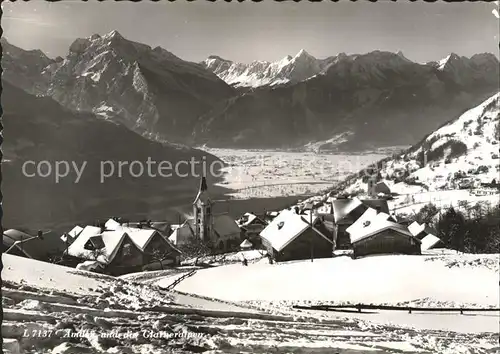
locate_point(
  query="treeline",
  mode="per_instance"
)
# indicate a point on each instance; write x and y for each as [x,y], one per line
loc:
[467,228]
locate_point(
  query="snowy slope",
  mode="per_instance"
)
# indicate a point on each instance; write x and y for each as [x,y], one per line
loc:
[423,280]
[460,155]
[260,73]
[150,90]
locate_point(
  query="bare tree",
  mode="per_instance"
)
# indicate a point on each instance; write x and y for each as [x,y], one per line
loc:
[196,248]
[159,255]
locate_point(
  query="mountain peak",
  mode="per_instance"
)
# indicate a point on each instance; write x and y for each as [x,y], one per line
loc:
[114,34]
[303,54]
[216,57]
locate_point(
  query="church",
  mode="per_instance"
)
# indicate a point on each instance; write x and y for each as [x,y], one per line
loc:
[219,230]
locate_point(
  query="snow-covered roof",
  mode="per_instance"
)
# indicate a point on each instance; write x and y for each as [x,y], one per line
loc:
[429,242]
[416,229]
[111,240]
[246,244]
[140,237]
[111,224]
[78,246]
[357,226]
[16,235]
[75,231]
[246,219]
[378,224]
[182,233]
[343,207]
[286,227]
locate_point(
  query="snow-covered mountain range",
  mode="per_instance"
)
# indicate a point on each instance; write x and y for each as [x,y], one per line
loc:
[260,73]
[370,100]
[302,66]
[149,90]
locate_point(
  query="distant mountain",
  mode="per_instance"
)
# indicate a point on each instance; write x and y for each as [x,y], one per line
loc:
[462,153]
[39,129]
[371,100]
[341,103]
[151,91]
[463,71]
[260,73]
[24,68]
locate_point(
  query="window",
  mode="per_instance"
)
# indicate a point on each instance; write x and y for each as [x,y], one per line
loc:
[127,250]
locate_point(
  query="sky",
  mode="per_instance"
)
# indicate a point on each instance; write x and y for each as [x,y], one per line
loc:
[269,30]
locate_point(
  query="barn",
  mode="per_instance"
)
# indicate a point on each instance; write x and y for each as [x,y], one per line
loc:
[291,236]
[251,226]
[345,213]
[426,235]
[377,235]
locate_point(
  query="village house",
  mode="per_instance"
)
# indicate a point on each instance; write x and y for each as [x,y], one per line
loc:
[426,235]
[42,247]
[123,249]
[346,211]
[251,226]
[376,233]
[292,236]
[69,237]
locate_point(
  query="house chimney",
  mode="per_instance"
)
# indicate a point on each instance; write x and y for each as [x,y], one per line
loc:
[371,187]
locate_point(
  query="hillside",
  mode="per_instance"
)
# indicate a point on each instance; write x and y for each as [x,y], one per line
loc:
[149,90]
[465,149]
[444,168]
[39,129]
[371,100]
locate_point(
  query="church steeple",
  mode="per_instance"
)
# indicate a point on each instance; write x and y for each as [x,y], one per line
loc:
[202,191]
[202,210]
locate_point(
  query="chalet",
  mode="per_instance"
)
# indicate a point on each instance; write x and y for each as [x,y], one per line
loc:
[251,226]
[426,235]
[41,247]
[346,211]
[123,249]
[95,244]
[375,234]
[292,236]
[69,237]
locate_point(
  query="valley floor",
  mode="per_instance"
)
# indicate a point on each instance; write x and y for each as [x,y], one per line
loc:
[269,173]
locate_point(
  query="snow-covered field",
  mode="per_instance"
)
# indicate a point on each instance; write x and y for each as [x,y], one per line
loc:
[54,309]
[391,279]
[267,173]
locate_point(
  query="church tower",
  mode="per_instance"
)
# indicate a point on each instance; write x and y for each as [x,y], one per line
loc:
[202,210]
